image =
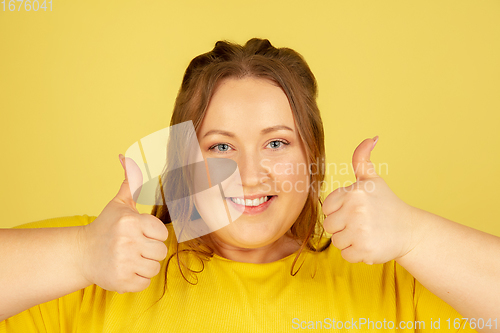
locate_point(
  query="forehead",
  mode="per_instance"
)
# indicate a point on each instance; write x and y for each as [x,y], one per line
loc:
[247,104]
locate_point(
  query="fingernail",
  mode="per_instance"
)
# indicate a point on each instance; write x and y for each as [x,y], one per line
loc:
[376,139]
[121,160]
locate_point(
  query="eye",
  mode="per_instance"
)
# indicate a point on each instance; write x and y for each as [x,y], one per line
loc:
[277,144]
[220,147]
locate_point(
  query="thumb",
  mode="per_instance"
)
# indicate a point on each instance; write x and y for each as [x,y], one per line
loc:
[131,186]
[363,167]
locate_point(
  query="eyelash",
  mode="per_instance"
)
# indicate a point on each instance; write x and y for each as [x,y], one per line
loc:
[284,142]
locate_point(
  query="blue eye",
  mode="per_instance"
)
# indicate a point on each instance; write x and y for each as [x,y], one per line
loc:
[221,147]
[276,144]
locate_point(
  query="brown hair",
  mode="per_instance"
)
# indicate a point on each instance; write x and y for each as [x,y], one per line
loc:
[287,69]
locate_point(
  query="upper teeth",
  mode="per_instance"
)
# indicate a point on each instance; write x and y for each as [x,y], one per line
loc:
[249,202]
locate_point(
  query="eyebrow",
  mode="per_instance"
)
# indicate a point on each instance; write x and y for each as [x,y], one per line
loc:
[264,131]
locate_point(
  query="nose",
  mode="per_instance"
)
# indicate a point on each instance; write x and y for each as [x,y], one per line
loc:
[252,169]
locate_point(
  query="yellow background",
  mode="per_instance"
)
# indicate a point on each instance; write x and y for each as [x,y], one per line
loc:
[80,84]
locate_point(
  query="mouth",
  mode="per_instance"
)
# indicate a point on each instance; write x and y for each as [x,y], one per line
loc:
[251,206]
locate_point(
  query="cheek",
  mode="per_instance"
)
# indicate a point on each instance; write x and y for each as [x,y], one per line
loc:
[291,177]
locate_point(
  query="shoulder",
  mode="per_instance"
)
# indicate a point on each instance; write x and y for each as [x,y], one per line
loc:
[390,275]
[65,221]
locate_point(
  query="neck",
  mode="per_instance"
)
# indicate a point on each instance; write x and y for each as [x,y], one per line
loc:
[277,250]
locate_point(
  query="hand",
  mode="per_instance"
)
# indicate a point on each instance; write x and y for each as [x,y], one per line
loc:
[368,222]
[121,248]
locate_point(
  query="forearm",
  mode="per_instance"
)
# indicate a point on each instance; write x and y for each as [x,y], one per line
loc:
[36,266]
[458,264]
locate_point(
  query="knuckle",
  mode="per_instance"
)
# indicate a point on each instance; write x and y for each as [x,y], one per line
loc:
[344,189]
[122,246]
[362,229]
[121,280]
[118,242]
[126,222]
[350,190]
[367,248]
[366,230]
[358,192]
[127,217]
[359,209]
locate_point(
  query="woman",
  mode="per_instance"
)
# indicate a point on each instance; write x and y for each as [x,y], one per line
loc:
[270,269]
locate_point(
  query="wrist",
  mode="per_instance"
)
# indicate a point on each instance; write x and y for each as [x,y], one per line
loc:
[418,227]
[79,255]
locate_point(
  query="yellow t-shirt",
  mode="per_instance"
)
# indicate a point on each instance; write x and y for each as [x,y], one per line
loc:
[244,297]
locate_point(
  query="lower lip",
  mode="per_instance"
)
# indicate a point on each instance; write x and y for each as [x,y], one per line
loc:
[252,210]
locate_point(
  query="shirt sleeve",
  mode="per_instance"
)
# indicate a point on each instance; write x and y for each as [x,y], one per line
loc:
[432,314]
[66,221]
[56,315]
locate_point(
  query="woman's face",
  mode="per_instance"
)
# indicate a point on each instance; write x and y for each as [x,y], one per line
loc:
[250,121]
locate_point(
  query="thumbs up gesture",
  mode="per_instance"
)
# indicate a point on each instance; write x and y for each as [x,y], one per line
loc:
[122,248]
[368,222]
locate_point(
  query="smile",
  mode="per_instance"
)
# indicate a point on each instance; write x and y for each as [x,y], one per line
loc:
[249,202]
[251,206]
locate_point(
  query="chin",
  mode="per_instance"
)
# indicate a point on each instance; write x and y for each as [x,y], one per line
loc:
[248,237]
